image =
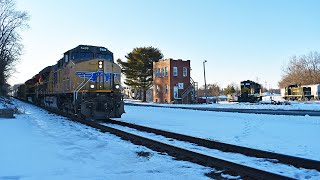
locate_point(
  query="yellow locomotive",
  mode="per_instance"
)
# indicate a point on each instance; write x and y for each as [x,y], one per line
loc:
[86,82]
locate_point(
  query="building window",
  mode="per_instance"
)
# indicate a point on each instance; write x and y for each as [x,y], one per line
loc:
[180,85]
[157,89]
[166,89]
[185,72]
[162,72]
[166,100]
[166,71]
[158,72]
[175,71]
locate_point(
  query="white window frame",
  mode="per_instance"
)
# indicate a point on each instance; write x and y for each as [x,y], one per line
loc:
[175,71]
[157,89]
[165,71]
[185,71]
[162,69]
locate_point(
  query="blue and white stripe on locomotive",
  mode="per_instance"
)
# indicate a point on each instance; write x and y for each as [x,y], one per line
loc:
[93,76]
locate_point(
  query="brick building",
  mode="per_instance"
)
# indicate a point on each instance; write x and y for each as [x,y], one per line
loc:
[172,82]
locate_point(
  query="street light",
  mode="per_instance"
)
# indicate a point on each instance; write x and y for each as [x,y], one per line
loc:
[205,83]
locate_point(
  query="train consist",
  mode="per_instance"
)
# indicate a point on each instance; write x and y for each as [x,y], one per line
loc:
[251,92]
[85,82]
[297,92]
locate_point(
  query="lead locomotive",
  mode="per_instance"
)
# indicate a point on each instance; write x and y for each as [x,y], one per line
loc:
[85,82]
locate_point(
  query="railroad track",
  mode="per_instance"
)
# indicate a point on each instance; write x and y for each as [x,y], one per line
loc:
[281,158]
[221,166]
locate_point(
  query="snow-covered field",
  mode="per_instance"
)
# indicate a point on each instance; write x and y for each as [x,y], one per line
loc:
[294,105]
[292,135]
[258,163]
[38,145]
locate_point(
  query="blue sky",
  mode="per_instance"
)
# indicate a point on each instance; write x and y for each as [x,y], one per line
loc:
[240,39]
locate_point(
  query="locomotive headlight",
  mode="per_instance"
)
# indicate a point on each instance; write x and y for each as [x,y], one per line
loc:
[100,64]
[92,86]
[117,86]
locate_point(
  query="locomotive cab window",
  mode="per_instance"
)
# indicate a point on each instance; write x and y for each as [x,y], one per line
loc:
[104,56]
[81,55]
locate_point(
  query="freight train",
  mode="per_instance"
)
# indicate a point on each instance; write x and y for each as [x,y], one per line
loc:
[85,82]
[298,92]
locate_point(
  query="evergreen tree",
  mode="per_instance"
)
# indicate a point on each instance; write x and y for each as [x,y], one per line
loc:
[229,90]
[138,68]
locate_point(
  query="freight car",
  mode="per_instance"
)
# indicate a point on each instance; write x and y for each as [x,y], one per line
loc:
[85,82]
[297,92]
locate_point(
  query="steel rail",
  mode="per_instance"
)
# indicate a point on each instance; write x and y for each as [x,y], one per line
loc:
[220,165]
[282,158]
[183,154]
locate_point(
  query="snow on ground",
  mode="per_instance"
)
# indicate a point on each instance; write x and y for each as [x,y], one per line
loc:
[6,103]
[259,163]
[294,105]
[292,135]
[38,145]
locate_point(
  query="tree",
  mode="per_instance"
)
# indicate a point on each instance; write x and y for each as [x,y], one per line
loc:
[230,89]
[302,70]
[11,22]
[212,90]
[138,68]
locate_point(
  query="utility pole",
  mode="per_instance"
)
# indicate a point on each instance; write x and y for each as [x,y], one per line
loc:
[205,83]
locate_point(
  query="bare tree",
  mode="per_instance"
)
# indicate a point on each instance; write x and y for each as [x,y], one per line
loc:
[302,70]
[11,22]
[212,89]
